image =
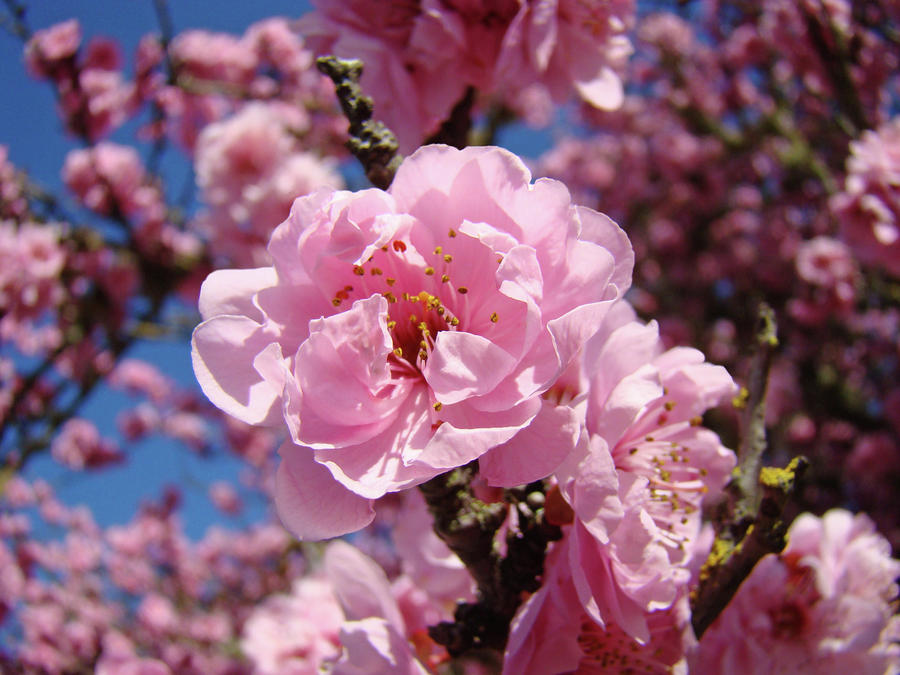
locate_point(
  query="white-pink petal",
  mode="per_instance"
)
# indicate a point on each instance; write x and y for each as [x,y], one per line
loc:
[310,503]
[223,350]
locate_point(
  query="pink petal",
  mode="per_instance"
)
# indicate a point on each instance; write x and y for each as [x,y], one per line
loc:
[542,33]
[590,482]
[535,451]
[598,589]
[467,433]
[361,585]
[223,350]
[605,91]
[603,231]
[310,503]
[374,647]
[464,365]
[384,463]
[232,291]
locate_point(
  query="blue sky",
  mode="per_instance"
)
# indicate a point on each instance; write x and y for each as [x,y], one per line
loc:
[32,132]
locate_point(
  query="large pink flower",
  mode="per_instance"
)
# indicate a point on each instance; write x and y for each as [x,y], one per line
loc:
[403,333]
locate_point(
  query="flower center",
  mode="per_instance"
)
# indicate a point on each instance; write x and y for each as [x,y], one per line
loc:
[422,294]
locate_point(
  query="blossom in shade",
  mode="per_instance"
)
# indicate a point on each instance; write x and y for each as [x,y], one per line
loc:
[552,633]
[47,48]
[821,606]
[403,333]
[375,634]
[409,96]
[831,274]
[420,57]
[868,207]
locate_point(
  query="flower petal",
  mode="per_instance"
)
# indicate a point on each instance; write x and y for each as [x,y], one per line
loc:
[223,350]
[535,451]
[313,505]
[464,365]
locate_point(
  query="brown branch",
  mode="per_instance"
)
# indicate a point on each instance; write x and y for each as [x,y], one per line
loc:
[749,523]
[455,129]
[731,561]
[468,526]
[371,142]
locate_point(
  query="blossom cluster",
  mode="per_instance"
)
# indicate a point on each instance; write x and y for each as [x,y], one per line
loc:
[506,389]
[520,52]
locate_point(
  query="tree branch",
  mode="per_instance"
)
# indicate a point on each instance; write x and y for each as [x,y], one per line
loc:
[749,524]
[372,143]
[468,526]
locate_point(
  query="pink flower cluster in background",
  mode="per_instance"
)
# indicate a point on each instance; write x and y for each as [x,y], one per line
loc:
[501,48]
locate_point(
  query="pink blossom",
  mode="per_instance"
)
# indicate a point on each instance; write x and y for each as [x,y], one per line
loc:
[79,446]
[141,377]
[401,334]
[31,260]
[204,55]
[109,178]
[250,170]
[374,635]
[105,97]
[868,207]
[637,485]
[12,198]
[832,275]
[188,427]
[822,606]
[48,47]
[295,634]
[225,497]
[566,44]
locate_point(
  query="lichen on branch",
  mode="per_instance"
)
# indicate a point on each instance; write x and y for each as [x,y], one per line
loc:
[749,523]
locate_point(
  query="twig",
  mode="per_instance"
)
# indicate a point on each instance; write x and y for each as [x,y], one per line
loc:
[744,487]
[16,25]
[731,561]
[750,523]
[455,129]
[468,526]
[834,62]
[372,143]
